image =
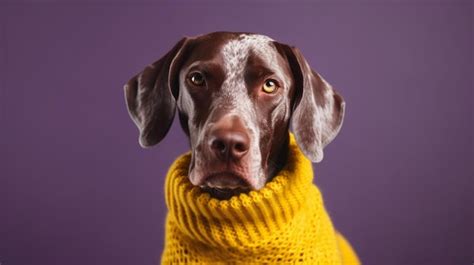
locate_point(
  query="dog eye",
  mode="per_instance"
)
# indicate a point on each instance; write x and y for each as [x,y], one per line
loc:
[197,79]
[269,86]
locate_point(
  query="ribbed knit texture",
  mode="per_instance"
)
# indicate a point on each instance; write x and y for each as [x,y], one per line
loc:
[285,222]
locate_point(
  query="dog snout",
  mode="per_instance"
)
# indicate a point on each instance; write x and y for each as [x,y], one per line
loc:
[229,139]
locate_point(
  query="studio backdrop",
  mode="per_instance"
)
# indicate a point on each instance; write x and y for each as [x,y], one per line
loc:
[76,188]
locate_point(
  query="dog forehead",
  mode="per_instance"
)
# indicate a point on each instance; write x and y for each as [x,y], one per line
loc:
[245,41]
[236,51]
[251,53]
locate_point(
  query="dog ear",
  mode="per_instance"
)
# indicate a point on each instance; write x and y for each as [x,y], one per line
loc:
[318,110]
[151,96]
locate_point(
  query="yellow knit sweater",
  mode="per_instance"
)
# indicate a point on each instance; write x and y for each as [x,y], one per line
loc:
[285,222]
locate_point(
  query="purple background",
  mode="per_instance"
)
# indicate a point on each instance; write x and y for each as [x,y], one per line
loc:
[76,188]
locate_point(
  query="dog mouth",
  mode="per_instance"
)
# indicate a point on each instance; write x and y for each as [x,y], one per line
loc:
[224,185]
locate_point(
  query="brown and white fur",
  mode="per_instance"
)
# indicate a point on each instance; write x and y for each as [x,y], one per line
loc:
[238,133]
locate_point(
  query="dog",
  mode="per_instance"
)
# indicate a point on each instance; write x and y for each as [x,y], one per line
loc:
[237,95]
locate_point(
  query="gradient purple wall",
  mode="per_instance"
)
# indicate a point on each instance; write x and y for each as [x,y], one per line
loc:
[76,188]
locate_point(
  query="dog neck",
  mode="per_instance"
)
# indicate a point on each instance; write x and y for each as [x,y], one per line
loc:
[284,221]
[280,158]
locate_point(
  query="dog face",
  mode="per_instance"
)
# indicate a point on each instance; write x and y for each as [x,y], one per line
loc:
[236,94]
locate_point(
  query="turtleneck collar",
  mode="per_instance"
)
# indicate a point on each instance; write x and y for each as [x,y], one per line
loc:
[245,219]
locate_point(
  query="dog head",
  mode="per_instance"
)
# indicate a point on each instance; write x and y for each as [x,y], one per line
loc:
[236,95]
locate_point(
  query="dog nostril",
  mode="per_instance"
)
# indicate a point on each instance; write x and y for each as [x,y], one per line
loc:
[218,146]
[240,147]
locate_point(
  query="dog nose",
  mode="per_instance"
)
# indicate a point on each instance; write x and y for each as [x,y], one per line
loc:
[227,144]
[228,139]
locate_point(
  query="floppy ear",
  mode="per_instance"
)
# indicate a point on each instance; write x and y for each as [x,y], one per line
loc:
[151,96]
[318,110]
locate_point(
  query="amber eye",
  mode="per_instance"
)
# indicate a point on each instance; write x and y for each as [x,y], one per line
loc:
[197,79]
[269,86]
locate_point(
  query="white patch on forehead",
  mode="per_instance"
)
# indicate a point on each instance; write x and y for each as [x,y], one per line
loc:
[236,52]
